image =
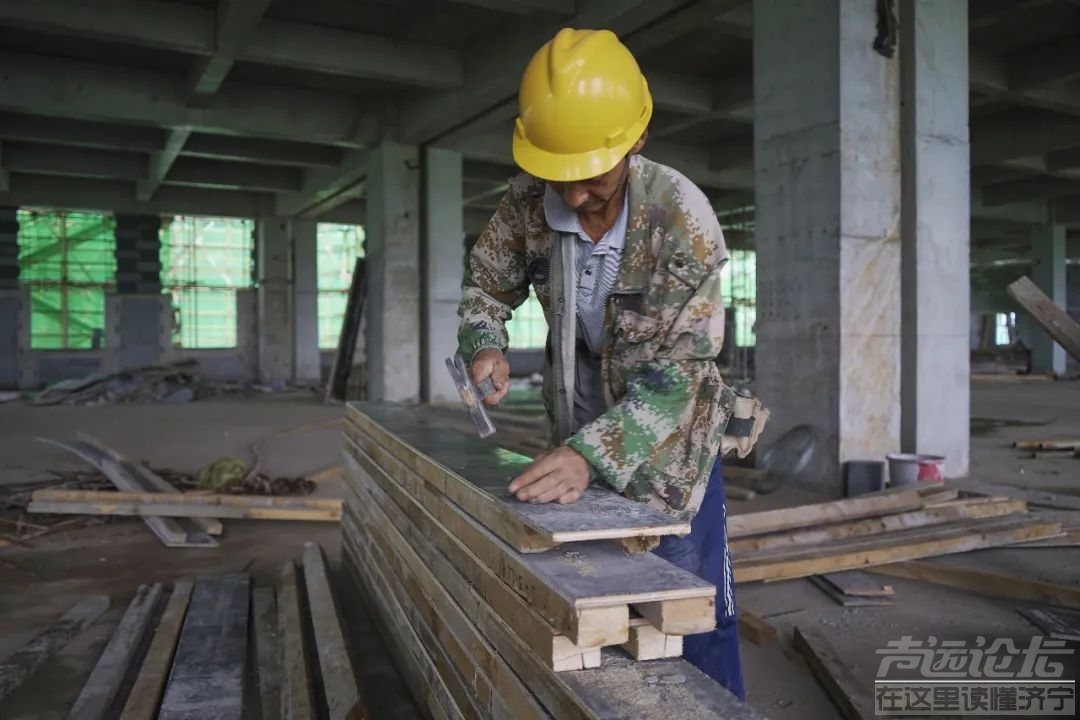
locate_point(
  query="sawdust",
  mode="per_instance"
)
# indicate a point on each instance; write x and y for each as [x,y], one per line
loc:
[574,558]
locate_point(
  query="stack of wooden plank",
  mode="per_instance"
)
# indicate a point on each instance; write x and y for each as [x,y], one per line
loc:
[877,529]
[497,608]
[206,647]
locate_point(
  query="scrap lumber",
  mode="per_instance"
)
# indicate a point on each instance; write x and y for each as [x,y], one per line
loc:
[1055,321]
[984,583]
[648,643]
[1047,444]
[474,475]
[1038,498]
[173,532]
[338,383]
[297,702]
[834,674]
[150,504]
[101,688]
[892,547]
[264,618]
[18,666]
[756,629]
[857,583]
[1058,624]
[207,676]
[845,600]
[868,505]
[342,693]
[564,586]
[145,696]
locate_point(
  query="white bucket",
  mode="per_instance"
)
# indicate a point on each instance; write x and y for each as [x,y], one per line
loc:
[911,468]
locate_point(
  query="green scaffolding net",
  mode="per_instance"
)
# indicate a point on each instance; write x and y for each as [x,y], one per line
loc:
[337,247]
[67,261]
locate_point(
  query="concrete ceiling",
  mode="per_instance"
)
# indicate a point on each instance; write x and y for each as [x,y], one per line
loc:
[247,107]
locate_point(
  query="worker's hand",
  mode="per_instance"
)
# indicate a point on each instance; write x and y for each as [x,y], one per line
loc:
[489,362]
[559,475]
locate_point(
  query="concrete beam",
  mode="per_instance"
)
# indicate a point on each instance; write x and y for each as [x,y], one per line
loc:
[190,29]
[988,13]
[325,188]
[1031,213]
[1063,159]
[235,22]
[1030,189]
[200,172]
[1021,133]
[161,163]
[991,75]
[523,7]
[1066,210]
[1045,64]
[255,150]
[733,100]
[77,162]
[737,152]
[118,196]
[673,26]
[494,67]
[15,126]
[62,87]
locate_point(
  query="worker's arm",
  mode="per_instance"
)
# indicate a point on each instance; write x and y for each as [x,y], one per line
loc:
[664,434]
[495,282]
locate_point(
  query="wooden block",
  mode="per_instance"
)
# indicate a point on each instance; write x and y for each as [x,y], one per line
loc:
[16,667]
[101,687]
[207,676]
[680,617]
[1058,624]
[145,696]
[861,506]
[894,547]
[756,629]
[853,582]
[1047,314]
[847,600]
[648,643]
[562,585]
[248,507]
[295,692]
[833,672]
[264,620]
[984,583]
[342,692]
[474,475]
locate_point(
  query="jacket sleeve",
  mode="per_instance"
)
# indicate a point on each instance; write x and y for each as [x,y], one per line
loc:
[663,434]
[495,281]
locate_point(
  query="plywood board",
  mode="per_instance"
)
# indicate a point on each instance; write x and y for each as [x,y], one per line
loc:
[463,466]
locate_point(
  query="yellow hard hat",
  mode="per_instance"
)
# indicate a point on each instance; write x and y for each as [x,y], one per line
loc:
[582,105]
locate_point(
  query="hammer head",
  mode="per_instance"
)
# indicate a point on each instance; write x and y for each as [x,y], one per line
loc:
[472,396]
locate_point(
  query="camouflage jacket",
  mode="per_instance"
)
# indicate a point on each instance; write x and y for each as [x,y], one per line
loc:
[667,403]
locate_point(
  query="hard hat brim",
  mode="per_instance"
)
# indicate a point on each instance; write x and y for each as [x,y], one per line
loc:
[559,167]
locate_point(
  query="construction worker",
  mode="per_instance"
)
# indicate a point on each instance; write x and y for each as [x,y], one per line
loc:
[625,257]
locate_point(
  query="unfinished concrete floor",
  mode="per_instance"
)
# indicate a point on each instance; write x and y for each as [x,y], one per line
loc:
[39,583]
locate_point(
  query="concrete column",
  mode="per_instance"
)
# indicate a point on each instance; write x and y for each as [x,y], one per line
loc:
[273,253]
[305,301]
[138,316]
[827,177]
[12,300]
[442,253]
[392,268]
[1048,272]
[936,221]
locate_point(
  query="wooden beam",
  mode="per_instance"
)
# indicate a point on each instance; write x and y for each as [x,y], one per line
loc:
[145,696]
[19,665]
[100,689]
[1038,498]
[834,674]
[983,583]
[297,702]
[756,629]
[1047,314]
[870,504]
[150,504]
[264,616]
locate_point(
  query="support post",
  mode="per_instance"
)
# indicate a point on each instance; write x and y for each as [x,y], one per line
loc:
[306,301]
[275,329]
[1048,273]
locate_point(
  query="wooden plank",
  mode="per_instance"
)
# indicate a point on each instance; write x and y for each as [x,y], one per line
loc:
[343,698]
[984,583]
[847,600]
[924,517]
[1057,624]
[461,572]
[1068,444]
[246,507]
[1051,318]
[870,504]
[297,702]
[207,677]
[100,689]
[338,383]
[474,474]
[854,582]
[756,629]
[902,545]
[834,674]
[145,696]
[1038,498]
[648,643]
[172,532]
[499,691]
[556,584]
[19,665]
[264,620]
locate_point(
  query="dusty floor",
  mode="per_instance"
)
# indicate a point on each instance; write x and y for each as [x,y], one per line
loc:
[38,584]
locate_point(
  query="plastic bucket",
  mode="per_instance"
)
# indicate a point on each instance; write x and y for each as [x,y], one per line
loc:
[911,468]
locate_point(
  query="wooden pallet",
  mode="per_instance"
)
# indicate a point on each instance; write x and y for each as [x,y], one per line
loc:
[482,620]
